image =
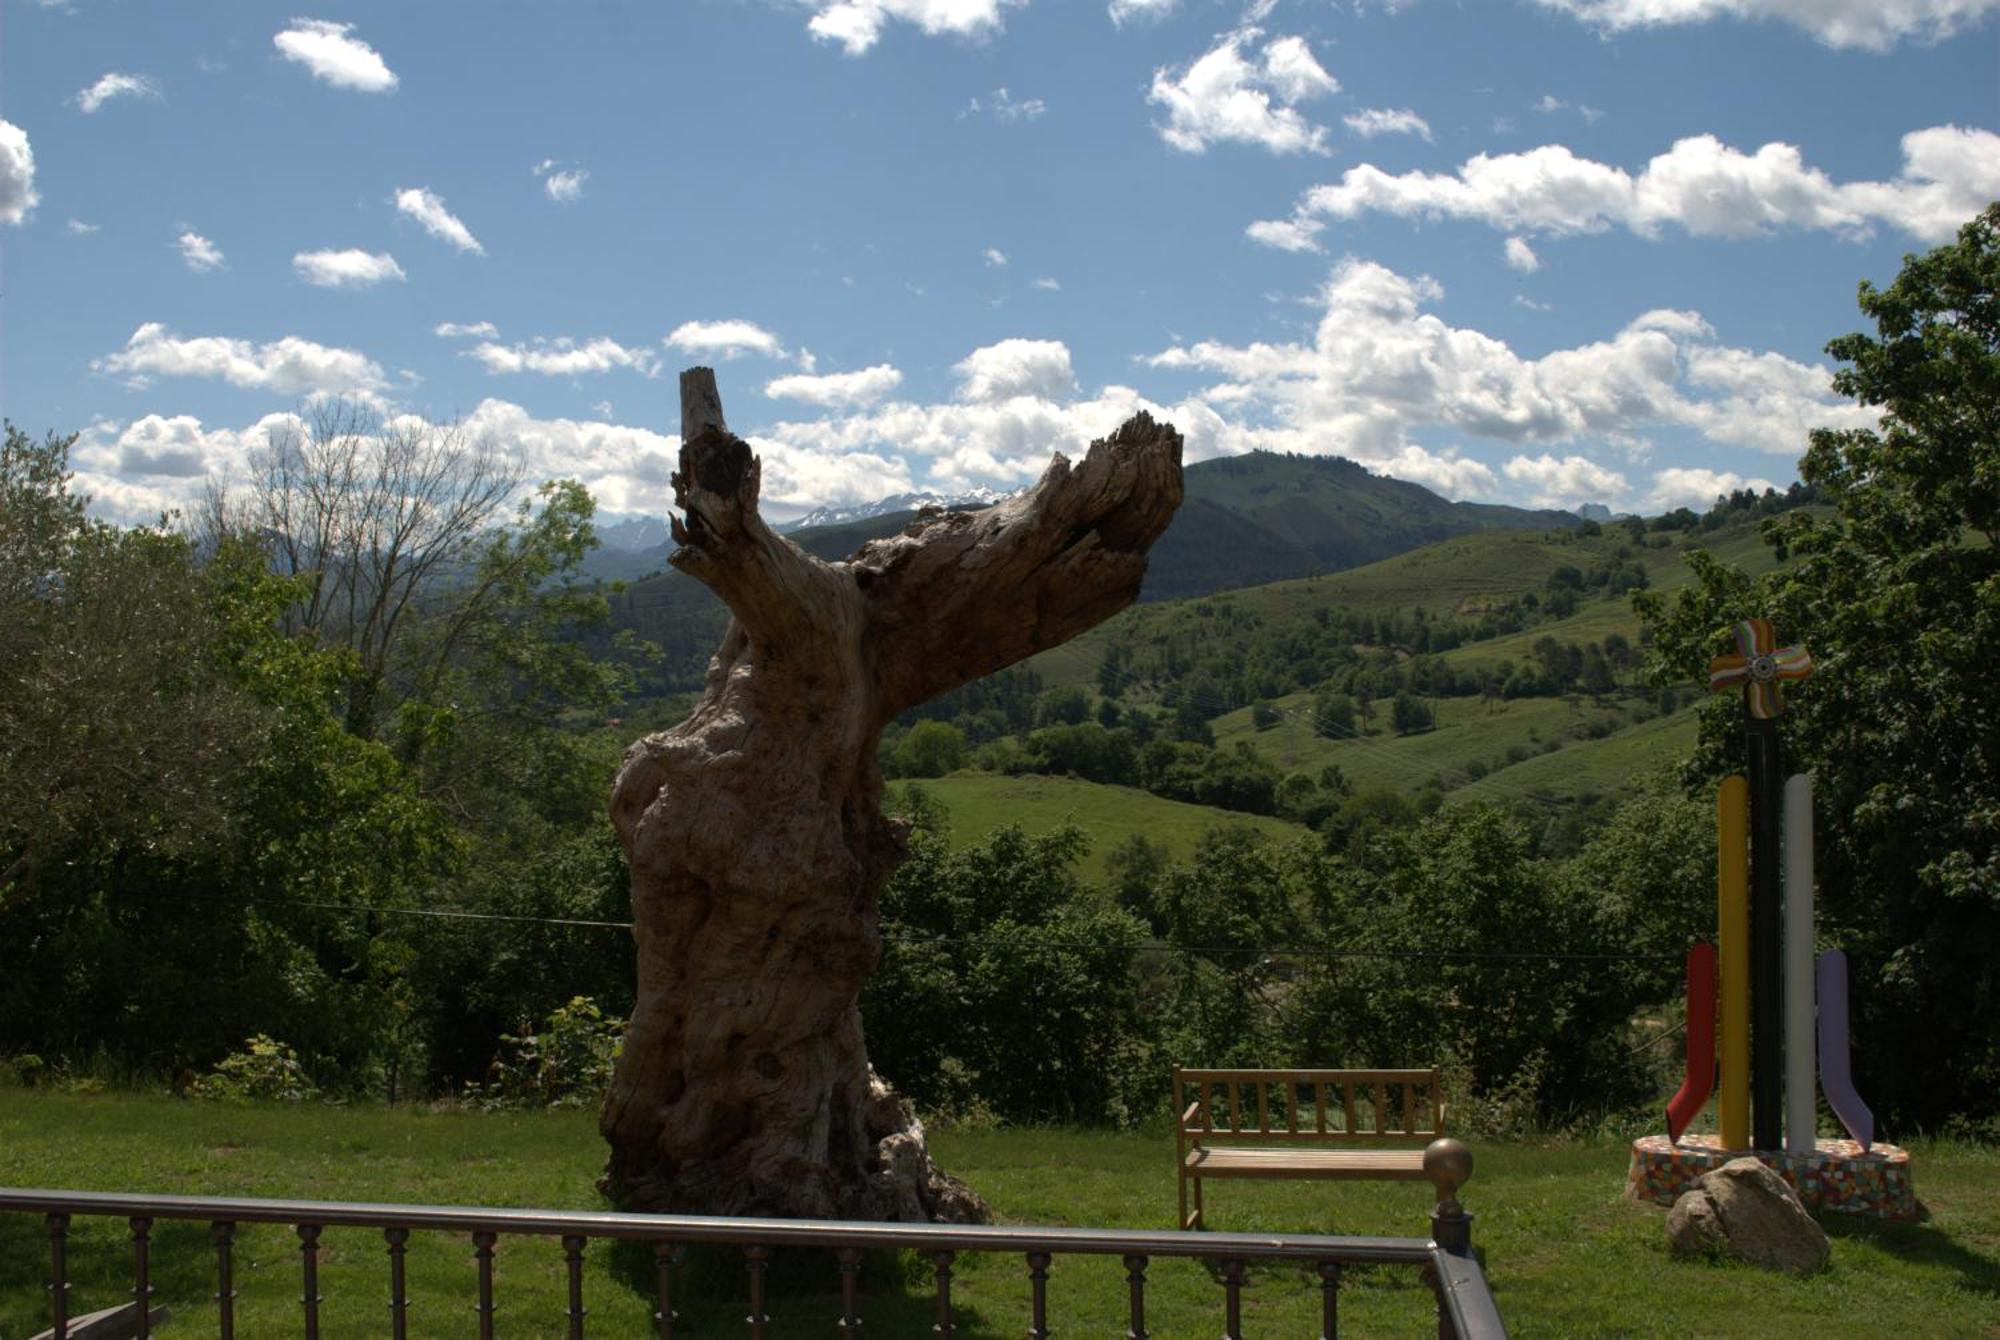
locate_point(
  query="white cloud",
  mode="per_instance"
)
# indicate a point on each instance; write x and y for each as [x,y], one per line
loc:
[1038,368]
[1548,481]
[857,24]
[454,330]
[427,208]
[17,174]
[564,185]
[158,463]
[1047,284]
[333,56]
[288,366]
[79,228]
[1226,97]
[725,339]
[1373,121]
[1872,25]
[1700,185]
[837,389]
[199,253]
[1685,486]
[1380,370]
[564,357]
[351,268]
[1522,257]
[995,256]
[115,85]
[1005,108]
[1140,11]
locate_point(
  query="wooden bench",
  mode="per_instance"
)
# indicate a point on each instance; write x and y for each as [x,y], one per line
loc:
[1322,1124]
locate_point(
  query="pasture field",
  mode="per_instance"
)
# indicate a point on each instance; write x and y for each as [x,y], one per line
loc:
[979,802]
[1566,1254]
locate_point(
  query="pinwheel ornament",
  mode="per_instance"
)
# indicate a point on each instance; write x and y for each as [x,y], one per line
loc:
[1758,665]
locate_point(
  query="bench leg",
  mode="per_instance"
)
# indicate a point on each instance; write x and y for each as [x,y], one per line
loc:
[1183,1220]
[1197,1203]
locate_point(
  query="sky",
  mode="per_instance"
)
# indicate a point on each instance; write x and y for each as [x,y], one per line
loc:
[1544,252]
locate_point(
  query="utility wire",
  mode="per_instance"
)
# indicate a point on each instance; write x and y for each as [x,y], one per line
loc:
[1208,951]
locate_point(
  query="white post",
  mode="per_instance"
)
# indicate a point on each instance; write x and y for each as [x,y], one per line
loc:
[1801,1104]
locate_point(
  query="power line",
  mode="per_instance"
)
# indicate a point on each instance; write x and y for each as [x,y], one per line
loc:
[970,942]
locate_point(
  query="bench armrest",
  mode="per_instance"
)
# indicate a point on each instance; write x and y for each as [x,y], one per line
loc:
[1187,1117]
[1442,1109]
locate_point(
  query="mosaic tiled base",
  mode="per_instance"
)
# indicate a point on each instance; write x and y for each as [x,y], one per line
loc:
[1836,1176]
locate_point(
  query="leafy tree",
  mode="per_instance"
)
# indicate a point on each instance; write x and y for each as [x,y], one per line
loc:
[1333,715]
[1410,714]
[1897,596]
[930,749]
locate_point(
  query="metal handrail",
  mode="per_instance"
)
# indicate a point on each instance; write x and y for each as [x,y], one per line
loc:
[1465,1304]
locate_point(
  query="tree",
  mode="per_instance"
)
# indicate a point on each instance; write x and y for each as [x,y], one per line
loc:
[373,514]
[1897,596]
[930,749]
[755,833]
[1410,714]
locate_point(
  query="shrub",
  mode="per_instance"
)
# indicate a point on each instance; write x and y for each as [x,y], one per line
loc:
[266,1070]
[567,1064]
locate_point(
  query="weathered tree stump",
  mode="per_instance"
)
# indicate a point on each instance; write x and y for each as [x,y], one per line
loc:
[755,831]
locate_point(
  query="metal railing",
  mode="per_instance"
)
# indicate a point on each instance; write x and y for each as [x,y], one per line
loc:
[1465,1307]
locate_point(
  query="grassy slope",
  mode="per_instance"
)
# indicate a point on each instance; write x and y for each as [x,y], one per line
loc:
[1454,577]
[1566,1254]
[981,802]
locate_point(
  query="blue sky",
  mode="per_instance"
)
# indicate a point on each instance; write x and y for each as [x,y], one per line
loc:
[1536,251]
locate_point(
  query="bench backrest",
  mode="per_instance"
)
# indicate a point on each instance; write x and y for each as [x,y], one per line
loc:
[1308,1106]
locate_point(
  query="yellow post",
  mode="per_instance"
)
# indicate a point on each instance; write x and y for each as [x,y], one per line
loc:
[1732,953]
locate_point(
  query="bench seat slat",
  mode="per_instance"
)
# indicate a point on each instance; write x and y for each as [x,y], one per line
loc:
[1316,1163]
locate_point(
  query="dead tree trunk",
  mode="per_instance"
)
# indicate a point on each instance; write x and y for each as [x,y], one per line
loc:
[755,830]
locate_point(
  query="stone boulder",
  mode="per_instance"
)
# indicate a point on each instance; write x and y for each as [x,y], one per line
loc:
[1745,1210]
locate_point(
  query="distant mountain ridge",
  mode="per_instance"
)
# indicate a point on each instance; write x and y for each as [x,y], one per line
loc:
[1246,520]
[896,503]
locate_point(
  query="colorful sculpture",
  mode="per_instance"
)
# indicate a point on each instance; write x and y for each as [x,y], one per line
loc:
[1765,978]
[1760,979]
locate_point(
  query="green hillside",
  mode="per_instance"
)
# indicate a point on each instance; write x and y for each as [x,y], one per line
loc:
[1246,520]
[978,803]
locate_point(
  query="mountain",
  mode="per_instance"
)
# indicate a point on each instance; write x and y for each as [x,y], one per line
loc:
[898,503]
[1246,520]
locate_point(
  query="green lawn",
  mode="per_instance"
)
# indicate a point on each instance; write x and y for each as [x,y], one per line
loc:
[979,802]
[1566,1254]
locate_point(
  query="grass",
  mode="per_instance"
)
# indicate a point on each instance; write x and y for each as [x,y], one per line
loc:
[980,802]
[1567,1256]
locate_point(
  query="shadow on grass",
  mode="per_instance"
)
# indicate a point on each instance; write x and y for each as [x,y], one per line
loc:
[1920,1244]
[710,1291]
[98,1264]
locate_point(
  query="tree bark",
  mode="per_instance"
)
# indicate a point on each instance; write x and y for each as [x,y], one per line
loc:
[755,832]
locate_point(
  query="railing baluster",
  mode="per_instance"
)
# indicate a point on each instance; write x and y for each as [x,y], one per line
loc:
[756,1257]
[309,1260]
[1329,1300]
[482,1250]
[223,1233]
[1232,1294]
[1135,1275]
[59,1274]
[399,1298]
[665,1257]
[941,1261]
[142,1274]
[573,1255]
[850,1275]
[1038,1276]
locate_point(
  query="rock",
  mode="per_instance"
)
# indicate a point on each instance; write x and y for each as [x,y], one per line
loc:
[1745,1210]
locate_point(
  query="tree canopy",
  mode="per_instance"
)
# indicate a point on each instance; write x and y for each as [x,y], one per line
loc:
[1896,593]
